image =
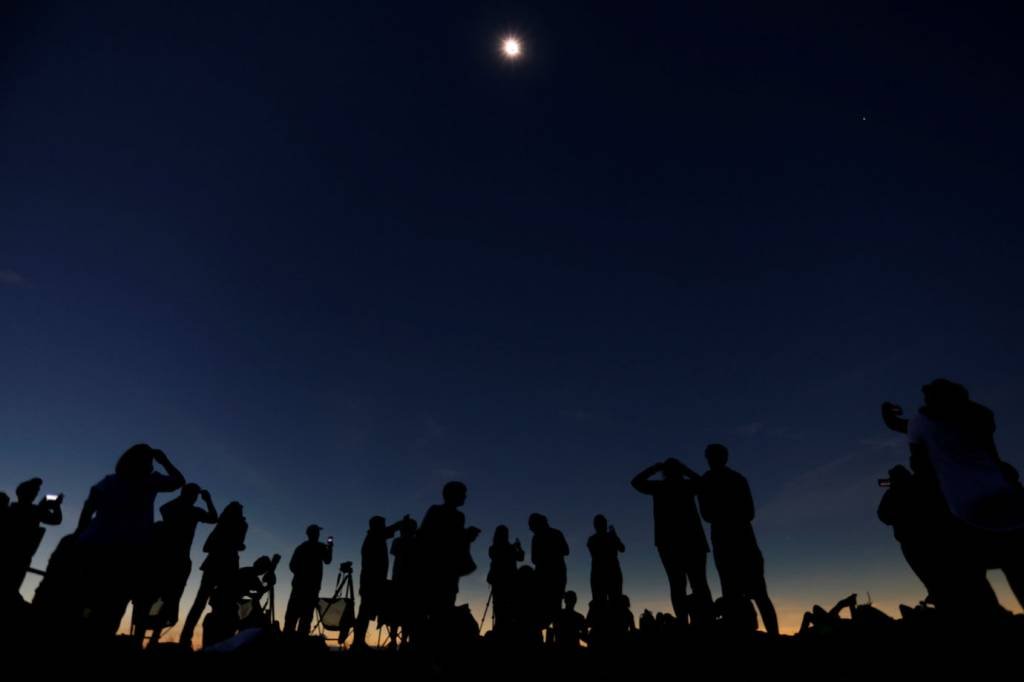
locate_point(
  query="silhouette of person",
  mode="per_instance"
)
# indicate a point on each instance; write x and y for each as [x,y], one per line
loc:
[679,536]
[735,617]
[505,557]
[22,532]
[526,612]
[547,552]
[244,587]
[307,567]
[605,572]
[726,504]
[172,557]
[403,578]
[59,593]
[611,622]
[624,618]
[444,543]
[957,436]
[222,546]
[647,625]
[115,532]
[373,574]
[827,621]
[863,616]
[914,509]
[570,626]
[954,436]
[926,531]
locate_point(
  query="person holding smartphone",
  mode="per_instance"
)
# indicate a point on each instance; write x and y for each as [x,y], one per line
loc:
[23,531]
[307,566]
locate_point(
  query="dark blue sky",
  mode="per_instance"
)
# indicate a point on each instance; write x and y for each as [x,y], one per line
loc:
[331,256]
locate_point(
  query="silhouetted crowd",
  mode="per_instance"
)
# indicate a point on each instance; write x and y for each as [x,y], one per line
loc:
[956,509]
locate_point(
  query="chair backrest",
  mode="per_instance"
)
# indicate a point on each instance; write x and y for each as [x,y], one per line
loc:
[336,614]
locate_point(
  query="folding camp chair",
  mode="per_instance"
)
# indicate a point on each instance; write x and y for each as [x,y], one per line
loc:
[336,614]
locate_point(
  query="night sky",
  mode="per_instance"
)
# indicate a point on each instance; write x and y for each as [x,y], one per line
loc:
[331,255]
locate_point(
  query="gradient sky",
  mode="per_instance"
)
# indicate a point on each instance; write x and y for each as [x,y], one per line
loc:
[331,256]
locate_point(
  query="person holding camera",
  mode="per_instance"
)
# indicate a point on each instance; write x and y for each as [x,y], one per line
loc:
[505,557]
[23,531]
[235,602]
[679,536]
[307,566]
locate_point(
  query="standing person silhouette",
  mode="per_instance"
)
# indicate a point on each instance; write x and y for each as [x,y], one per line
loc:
[172,560]
[605,571]
[307,567]
[373,574]
[22,531]
[547,552]
[443,544]
[505,557]
[679,536]
[726,503]
[115,532]
[403,579]
[221,564]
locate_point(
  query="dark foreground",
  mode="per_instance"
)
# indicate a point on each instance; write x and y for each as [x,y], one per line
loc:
[898,649]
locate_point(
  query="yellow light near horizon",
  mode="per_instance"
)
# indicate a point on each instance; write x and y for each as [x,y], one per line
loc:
[512,48]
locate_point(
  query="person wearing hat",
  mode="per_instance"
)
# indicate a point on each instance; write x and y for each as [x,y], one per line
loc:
[307,566]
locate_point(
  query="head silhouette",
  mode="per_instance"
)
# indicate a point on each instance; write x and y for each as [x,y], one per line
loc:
[377,523]
[233,510]
[600,523]
[28,491]
[537,522]
[944,397]
[408,527]
[501,535]
[190,492]
[570,600]
[313,532]
[454,493]
[672,468]
[136,462]
[263,564]
[717,455]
